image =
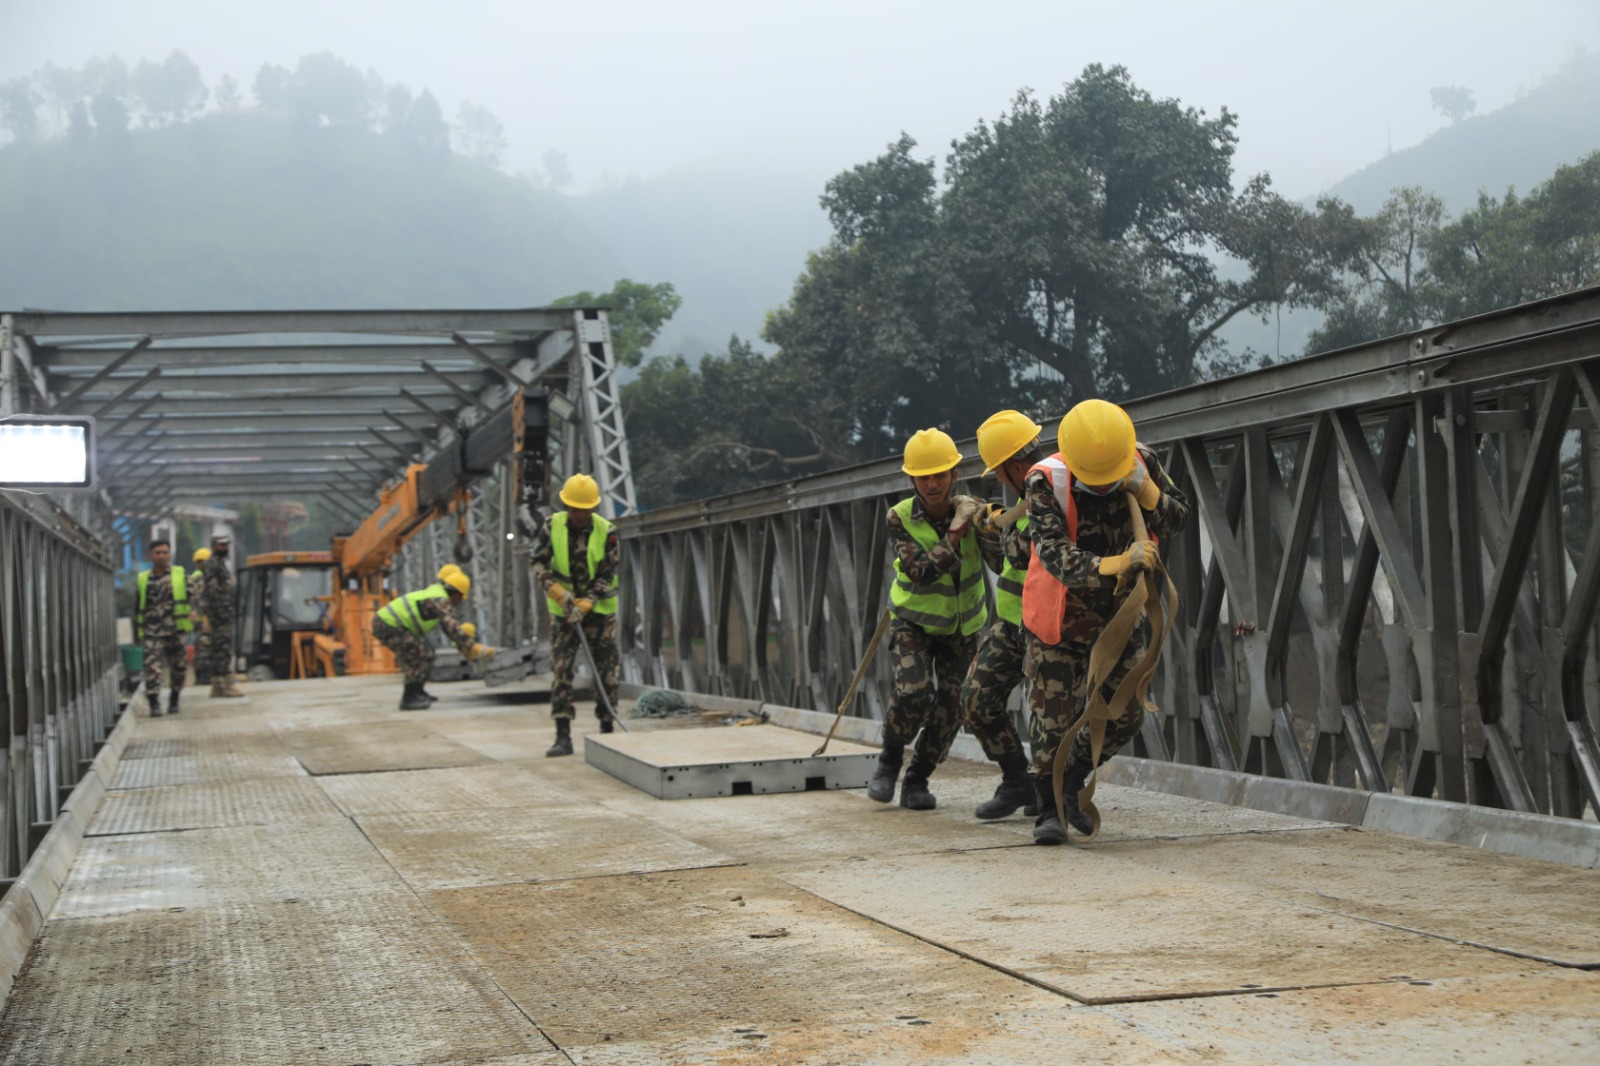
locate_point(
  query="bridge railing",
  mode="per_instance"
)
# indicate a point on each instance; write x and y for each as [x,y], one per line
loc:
[59,665]
[1389,581]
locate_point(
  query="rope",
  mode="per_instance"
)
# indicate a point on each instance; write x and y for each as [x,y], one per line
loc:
[1156,600]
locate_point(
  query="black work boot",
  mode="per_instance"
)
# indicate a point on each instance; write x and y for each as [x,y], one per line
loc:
[1071,784]
[425,694]
[1015,789]
[413,699]
[881,788]
[563,744]
[1046,825]
[155,706]
[172,702]
[606,725]
[914,794]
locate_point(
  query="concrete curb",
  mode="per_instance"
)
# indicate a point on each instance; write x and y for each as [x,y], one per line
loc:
[31,898]
[1535,836]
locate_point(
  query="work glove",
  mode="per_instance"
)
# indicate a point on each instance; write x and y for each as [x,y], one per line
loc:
[559,593]
[1143,487]
[1142,556]
[479,651]
[584,605]
[967,508]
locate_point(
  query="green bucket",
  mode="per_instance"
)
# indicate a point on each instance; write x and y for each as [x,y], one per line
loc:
[132,658]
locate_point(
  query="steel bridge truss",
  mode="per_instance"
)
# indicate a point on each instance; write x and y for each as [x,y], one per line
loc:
[1389,581]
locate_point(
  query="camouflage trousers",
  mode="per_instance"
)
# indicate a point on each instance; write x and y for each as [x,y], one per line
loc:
[1055,671]
[221,652]
[566,653]
[163,648]
[412,653]
[926,701]
[996,669]
[202,655]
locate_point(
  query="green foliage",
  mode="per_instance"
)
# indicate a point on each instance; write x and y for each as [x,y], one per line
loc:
[1453,101]
[635,312]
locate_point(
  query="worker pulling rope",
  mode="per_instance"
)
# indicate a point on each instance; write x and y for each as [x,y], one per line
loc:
[1151,594]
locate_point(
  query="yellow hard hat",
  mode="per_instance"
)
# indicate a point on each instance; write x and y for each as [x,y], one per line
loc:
[1003,435]
[447,569]
[1097,442]
[458,581]
[202,554]
[469,629]
[930,451]
[581,491]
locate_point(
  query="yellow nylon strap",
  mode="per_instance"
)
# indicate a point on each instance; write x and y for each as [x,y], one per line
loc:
[1159,603]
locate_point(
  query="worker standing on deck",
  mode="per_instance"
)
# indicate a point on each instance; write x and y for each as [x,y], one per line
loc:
[1009,445]
[220,608]
[575,561]
[1083,540]
[197,596]
[403,626]
[938,605]
[159,622]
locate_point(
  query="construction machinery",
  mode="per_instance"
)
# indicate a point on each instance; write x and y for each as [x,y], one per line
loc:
[329,630]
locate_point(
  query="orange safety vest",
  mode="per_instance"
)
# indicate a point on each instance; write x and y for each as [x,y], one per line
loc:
[1044,599]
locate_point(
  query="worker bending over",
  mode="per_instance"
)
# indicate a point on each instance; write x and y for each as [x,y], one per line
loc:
[1009,445]
[575,561]
[159,623]
[938,607]
[403,626]
[1083,540]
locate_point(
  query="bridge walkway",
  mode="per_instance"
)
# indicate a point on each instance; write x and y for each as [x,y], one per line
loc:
[313,877]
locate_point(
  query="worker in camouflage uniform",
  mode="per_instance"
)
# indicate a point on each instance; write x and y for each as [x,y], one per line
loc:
[202,639]
[575,561]
[220,608]
[1083,541]
[1009,445]
[403,626]
[938,607]
[160,620]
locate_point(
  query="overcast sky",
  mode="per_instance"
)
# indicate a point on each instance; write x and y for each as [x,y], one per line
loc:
[637,87]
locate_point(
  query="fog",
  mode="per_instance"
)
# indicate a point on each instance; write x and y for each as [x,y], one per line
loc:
[635,89]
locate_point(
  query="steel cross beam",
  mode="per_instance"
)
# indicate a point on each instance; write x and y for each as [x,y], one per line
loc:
[104,372]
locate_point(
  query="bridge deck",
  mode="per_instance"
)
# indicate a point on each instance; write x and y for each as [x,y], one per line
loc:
[313,877]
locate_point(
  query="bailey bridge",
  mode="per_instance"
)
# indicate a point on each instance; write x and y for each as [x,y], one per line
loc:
[1363,829]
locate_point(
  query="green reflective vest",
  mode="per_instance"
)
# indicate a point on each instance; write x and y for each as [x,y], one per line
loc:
[402,612]
[180,602]
[951,603]
[598,528]
[1008,589]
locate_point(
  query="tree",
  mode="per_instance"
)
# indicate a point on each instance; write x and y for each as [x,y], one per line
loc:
[1389,288]
[271,88]
[169,91]
[1453,101]
[18,100]
[478,134]
[326,90]
[636,311]
[558,175]
[227,94]
[424,129]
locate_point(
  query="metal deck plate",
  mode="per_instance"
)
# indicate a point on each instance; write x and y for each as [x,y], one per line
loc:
[453,788]
[728,761]
[332,981]
[353,749]
[727,957]
[449,849]
[1174,935]
[204,769]
[263,801]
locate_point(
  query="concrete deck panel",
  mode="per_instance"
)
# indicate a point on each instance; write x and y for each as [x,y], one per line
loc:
[448,915]
[730,761]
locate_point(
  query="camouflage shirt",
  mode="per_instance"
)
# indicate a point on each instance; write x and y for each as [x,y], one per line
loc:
[1001,544]
[923,567]
[439,608]
[196,580]
[218,604]
[1104,528]
[159,617]
[605,575]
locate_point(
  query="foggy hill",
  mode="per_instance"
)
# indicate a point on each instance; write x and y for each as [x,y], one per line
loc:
[1557,122]
[236,211]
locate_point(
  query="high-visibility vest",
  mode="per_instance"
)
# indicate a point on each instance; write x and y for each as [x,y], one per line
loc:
[1044,599]
[180,601]
[951,602]
[403,613]
[598,529]
[1008,589]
